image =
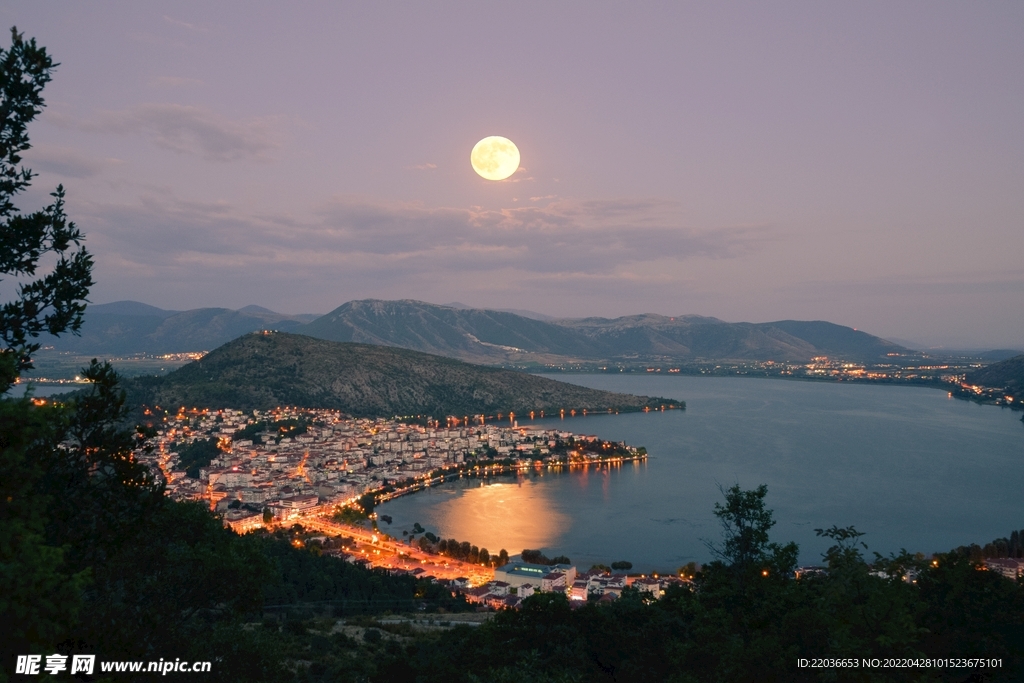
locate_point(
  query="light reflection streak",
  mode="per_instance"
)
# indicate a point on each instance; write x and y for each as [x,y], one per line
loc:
[510,515]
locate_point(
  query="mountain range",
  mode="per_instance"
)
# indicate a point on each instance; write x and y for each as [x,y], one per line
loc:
[266,370]
[126,327]
[477,335]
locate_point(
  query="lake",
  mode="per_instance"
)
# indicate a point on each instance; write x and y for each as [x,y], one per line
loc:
[908,466]
[41,390]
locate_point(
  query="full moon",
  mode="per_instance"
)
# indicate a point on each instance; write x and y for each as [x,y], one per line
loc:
[495,158]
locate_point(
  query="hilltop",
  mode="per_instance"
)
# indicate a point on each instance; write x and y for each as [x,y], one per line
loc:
[262,371]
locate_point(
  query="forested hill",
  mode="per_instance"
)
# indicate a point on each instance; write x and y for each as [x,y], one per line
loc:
[262,371]
[1007,374]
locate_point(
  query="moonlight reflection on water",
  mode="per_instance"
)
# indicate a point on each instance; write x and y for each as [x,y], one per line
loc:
[512,515]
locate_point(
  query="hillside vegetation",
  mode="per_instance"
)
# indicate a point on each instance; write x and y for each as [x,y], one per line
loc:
[262,371]
[1007,374]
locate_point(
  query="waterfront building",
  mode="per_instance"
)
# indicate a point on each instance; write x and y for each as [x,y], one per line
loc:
[520,573]
[548,578]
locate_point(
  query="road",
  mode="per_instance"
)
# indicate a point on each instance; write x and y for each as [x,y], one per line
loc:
[382,551]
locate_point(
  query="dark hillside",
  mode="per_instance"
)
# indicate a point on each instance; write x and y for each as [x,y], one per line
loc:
[836,340]
[466,333]
[690,337]
[261,371]
[1007,374]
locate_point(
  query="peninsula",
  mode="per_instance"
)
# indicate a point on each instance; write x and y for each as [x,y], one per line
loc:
[265,370]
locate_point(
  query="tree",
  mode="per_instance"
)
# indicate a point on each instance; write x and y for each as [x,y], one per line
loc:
[39,595]
[688,570]
[746,547]
[54,302]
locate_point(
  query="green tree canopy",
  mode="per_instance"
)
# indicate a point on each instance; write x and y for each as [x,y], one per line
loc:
[53,302]
[746,547]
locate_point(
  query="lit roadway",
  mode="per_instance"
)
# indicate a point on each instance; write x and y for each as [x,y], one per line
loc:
[381,551]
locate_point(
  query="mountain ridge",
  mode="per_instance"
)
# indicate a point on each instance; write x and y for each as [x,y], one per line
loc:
[479,335]
[126,327]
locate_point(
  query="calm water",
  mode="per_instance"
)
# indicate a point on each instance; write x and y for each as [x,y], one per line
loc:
[41,390]
[908,466]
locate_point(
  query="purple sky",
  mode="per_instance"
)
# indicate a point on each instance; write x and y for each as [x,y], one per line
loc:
[861,162]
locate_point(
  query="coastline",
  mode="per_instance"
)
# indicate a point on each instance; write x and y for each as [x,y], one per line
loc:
[496,469]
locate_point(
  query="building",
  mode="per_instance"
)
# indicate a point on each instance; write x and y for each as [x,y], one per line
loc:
[242,521]
[297,503]
[647,585]
[499,587]
[553,582]
[1008,567]
[519,573]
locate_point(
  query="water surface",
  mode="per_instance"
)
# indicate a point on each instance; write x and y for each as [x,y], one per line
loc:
[909,466]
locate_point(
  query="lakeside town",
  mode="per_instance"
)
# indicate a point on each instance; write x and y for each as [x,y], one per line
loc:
[319,473]
[323,472]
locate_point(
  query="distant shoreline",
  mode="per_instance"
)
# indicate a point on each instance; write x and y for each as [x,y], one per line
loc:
[954,390]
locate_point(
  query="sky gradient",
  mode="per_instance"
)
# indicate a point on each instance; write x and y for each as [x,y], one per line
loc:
[862,163]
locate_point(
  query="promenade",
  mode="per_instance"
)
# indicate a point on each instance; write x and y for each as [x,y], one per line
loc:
[380,550]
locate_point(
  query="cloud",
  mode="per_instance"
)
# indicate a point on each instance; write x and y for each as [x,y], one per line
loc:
[608,240]
[191,130]
[65,161]
[424,167]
